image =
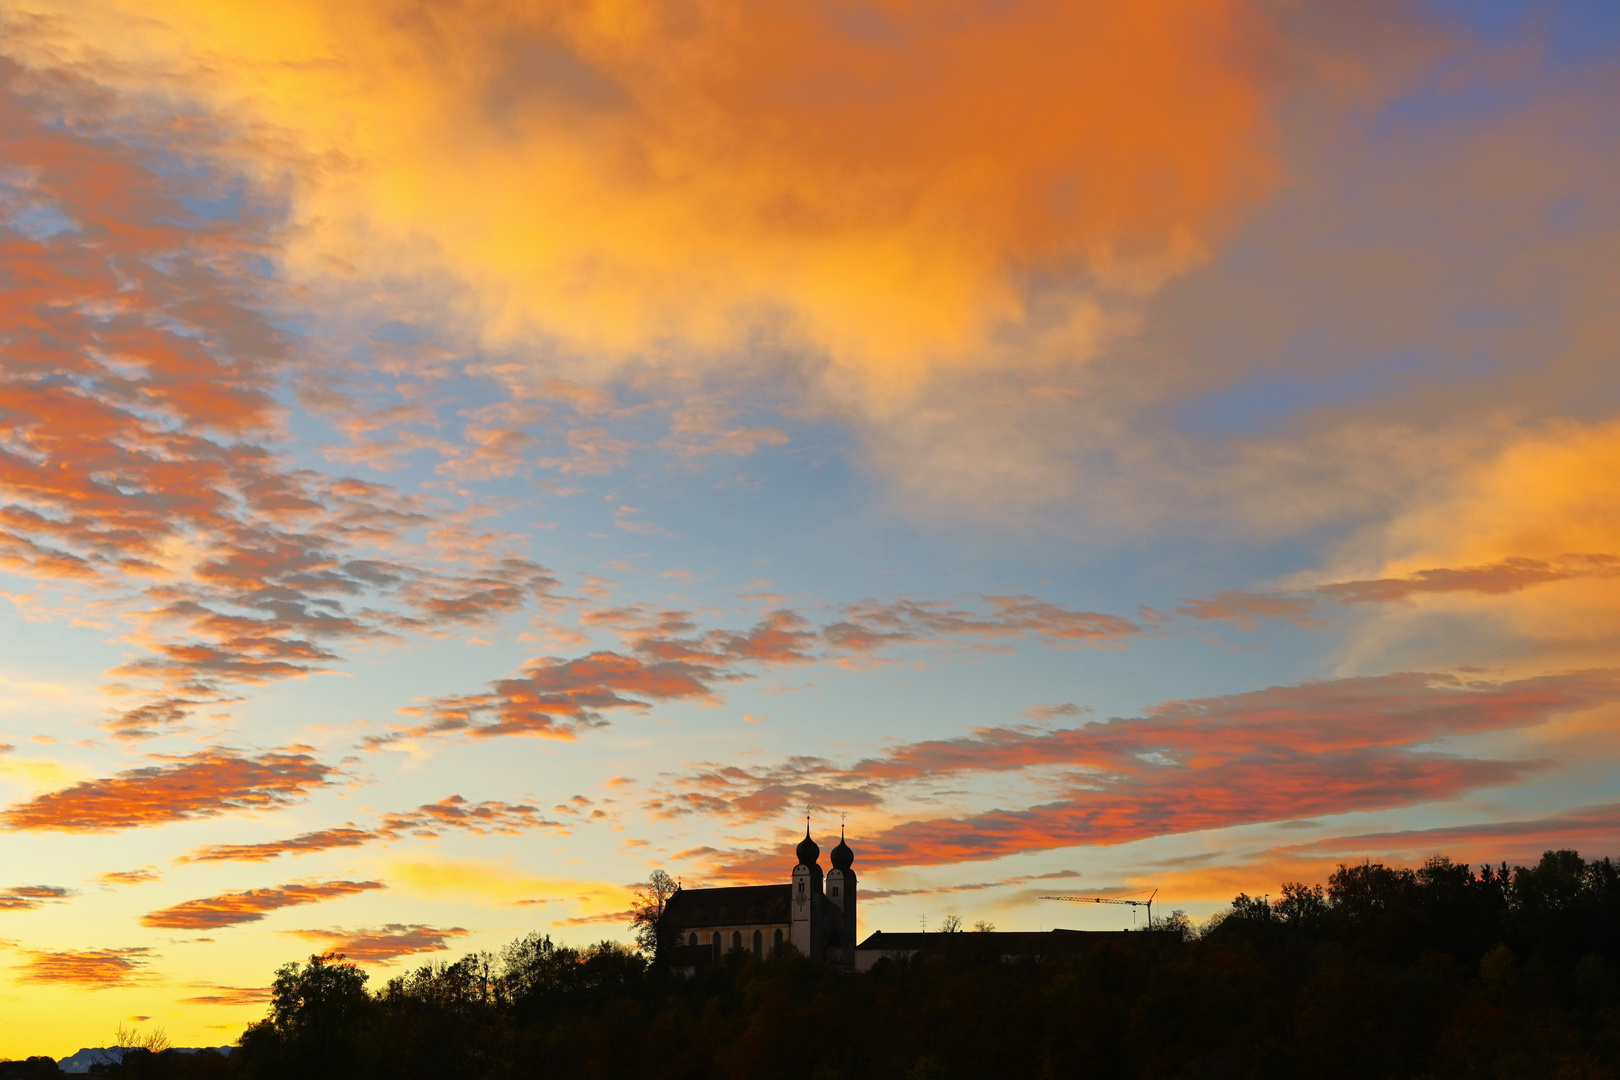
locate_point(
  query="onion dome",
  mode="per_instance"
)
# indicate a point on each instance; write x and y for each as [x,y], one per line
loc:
[842,856]
[807,850]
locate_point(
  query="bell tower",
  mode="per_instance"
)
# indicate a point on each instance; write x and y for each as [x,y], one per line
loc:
[841,898]
[806,931]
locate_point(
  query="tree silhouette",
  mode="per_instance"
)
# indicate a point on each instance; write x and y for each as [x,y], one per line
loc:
[647,908]
[314,1024]
[1384,971]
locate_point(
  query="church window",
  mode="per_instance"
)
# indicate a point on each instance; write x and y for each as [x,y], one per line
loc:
[691,939]
[759,943]
[717,940]
[736,939]
[778,943]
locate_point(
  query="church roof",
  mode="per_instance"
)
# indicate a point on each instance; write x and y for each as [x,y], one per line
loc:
[740,905]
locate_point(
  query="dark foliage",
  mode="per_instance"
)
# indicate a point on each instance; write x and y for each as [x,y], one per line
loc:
[1387,972]
[135,1063]
[140,1064]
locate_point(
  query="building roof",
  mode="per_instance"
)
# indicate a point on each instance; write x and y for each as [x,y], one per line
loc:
[737,906]
[1007,941]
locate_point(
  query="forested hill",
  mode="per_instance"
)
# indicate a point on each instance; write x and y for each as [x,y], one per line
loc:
[1438,971]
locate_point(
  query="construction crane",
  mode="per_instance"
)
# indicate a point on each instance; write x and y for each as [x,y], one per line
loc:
[1148,903]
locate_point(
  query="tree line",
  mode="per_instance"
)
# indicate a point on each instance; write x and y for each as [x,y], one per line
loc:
[1435,971]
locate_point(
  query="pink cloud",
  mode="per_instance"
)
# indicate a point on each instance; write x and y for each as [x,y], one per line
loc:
[1270,755]
[870,626]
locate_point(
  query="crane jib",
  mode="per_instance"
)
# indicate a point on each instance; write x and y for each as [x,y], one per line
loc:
[1148,903]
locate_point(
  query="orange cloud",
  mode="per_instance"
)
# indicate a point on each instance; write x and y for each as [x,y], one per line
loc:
[230,909]
[1516,842]
[480,819]
[1583,828]
[384,943]
[1246,610]
[672,659]
[28,897]
[91,969]
[972,886]
[430,819]
[1508,576]
[294,584]
[137,441]
[134,395]
[231,995]
[621,918]
[781,637]
[139,876]
[557,698]
[321,840]
[203,784]
[552,697]
[1219,882]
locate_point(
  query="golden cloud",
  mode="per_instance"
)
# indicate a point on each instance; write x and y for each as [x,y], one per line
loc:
[35,773]
[896,185]
[1525,539]
[487,883]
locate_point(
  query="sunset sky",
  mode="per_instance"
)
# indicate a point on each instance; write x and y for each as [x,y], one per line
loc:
[458,457]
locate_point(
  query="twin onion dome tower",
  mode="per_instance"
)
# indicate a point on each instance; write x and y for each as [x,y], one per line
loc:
[813,914]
